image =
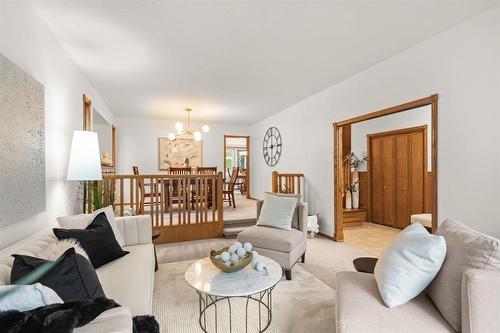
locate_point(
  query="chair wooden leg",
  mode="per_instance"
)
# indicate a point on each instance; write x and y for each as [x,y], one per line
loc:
[303,258]
[288,273]
[234,202]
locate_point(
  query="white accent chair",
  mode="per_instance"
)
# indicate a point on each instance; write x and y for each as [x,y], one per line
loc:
[283,246]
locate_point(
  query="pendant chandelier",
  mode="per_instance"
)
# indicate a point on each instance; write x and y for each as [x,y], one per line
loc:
[196,134]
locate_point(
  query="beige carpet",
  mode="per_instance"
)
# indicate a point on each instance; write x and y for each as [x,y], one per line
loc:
[324,258]
[304,304]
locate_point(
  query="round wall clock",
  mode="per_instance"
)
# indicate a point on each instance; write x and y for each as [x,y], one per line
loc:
[272,146]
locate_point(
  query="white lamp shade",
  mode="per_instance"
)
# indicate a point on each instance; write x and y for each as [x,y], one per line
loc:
[84,158]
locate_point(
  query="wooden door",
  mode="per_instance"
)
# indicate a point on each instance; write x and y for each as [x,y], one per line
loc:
[388,181]
[401,171]
[397,167]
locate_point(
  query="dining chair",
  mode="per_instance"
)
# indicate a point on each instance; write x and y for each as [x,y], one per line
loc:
[179,170]
[228,192]
[206,170]
[152,193]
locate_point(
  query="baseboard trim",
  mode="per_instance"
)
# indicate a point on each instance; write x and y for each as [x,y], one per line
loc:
[326,236]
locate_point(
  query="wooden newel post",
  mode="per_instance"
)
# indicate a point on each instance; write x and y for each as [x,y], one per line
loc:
[274,188]
[220,209]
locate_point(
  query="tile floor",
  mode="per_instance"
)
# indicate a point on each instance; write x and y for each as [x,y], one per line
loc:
[369,237]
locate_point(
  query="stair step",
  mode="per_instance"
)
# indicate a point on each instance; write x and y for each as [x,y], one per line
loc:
[241,222]
[232,232]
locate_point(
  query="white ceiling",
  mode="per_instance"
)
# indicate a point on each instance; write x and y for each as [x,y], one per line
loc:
[235,61]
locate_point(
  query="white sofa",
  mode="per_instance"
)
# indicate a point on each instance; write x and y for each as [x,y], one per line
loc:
[128,280]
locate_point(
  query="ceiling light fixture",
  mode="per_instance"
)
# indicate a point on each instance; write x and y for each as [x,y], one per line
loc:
[196,134]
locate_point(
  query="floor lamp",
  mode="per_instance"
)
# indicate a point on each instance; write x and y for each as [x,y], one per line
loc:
[84,160]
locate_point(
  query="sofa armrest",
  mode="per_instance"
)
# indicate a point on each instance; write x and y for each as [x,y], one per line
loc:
[136,230]
[303,213]
[113,320]
[480,301]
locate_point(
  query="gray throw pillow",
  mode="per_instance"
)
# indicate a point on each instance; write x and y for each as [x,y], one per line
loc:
[277,211]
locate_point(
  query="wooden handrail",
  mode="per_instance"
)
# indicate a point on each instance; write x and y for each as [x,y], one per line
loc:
[287,182]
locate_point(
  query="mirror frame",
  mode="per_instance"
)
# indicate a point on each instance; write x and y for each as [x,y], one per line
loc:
[338,165]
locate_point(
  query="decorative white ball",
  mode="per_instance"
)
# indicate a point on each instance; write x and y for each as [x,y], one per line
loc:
[233,248]
[225,256]
[217,257]
[241,252]
[238,244]
[255,258]
[248,246]
[227,263]
[260,266]
[234,258]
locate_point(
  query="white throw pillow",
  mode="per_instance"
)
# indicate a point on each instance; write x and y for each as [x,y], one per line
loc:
[277,211]
[409,264]
[81,221]
[26,297]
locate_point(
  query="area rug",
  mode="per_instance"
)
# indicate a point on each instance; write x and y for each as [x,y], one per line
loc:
[304,304]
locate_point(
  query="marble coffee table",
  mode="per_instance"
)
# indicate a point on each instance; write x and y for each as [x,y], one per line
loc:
[214,287]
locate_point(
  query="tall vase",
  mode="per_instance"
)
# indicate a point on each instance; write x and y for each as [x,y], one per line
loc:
[355,199]
[355,191]
[348,201]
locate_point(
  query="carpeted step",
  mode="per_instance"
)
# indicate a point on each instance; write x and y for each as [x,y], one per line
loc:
[232,232]
[240,222]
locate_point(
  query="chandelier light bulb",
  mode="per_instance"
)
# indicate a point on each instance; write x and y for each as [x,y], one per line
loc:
[206,128]
[178,127]
[171,136]
[197,136]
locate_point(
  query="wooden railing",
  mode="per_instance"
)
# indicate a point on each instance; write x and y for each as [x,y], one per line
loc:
[287,182]
[182,207]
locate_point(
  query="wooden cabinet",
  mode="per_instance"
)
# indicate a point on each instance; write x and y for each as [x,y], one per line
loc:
[397,166]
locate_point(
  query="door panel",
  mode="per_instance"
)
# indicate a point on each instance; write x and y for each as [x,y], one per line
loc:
[375,165]
[388,164]
[401,180]
[417,170]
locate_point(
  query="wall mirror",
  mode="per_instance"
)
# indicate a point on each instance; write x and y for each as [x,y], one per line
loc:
[106,133]
[385,167]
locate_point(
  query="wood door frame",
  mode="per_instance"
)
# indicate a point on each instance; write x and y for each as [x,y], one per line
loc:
[338,167]
[247,137]
[408,130]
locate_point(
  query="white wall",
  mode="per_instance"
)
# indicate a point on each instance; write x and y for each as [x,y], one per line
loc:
[26,41]
[411,118]
[463,66]
[137,143]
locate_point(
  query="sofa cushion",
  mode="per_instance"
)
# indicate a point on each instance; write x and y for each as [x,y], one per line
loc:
[129,280]
[466,249]
[272,238]
[361,309]
[71,276]
[409,264]
[97,239]
[81,221]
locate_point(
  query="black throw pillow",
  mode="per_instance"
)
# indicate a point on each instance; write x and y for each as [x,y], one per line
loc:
[98,240]
[71,276]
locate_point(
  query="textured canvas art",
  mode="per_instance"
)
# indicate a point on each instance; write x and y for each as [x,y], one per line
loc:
[22,144]
[179,152]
